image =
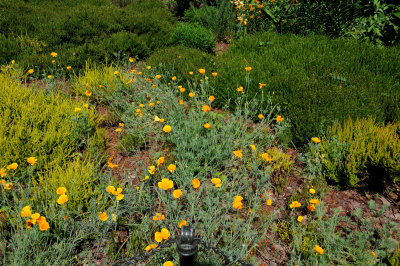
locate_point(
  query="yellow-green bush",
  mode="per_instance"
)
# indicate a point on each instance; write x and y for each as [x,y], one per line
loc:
[100,80]
[40,124]
[78,177]
[360,150]
[281,167]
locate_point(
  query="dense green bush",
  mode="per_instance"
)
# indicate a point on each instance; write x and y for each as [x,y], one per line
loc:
[150,20]
[180,60]
[377,21]
[193,35]
[127,43]
[360,150]
[322,17]
[84,29]
[8,49]
[220,18]
[316,81]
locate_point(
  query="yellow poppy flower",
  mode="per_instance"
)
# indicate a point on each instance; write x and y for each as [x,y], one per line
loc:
[182,223]
[152,169]
[12,166]
[171,168]
[26,211]
[44,226]
[177,193]
[167,128]
[103,216]
[31,160]
[150,247]
[62,199]
[238,153]
[196,183]
[319,250]
[206,108]
[119,197]
[61,191]
[166,184]
[316,140]
[160,160]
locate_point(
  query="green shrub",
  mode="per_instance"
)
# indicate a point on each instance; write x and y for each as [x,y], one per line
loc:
[45,126]
[315,80]
[127,43]
[180,60]
[376,21]
[322,17]
[194,36]
[345,240]
[8,49]
[84,30]
[150,20]
[220,19]
[361,151]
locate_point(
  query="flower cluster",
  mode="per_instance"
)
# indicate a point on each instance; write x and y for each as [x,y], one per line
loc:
[237,202]
[62,198]
[35,218]
[163,235]
[116,192]
[158,217]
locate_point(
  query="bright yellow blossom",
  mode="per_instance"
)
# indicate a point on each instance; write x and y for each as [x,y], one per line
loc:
[177,193]
[238,153]
[103,216]
[152,169]
[12,166]
[167,128]
[182,223]
[31,160]
[171,168]
[61,191]
[196,183]
[206,108]
[316,140]
[319,250]
[62,199]
[166,184]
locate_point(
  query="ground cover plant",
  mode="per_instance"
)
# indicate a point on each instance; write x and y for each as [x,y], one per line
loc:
[239,177]
[280,150]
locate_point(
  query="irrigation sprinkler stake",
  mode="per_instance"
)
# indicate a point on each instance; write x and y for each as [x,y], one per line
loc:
[187,246]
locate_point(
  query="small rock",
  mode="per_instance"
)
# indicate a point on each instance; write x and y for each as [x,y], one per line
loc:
[271,263]
[393,196]
[278,247]
[384,201]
